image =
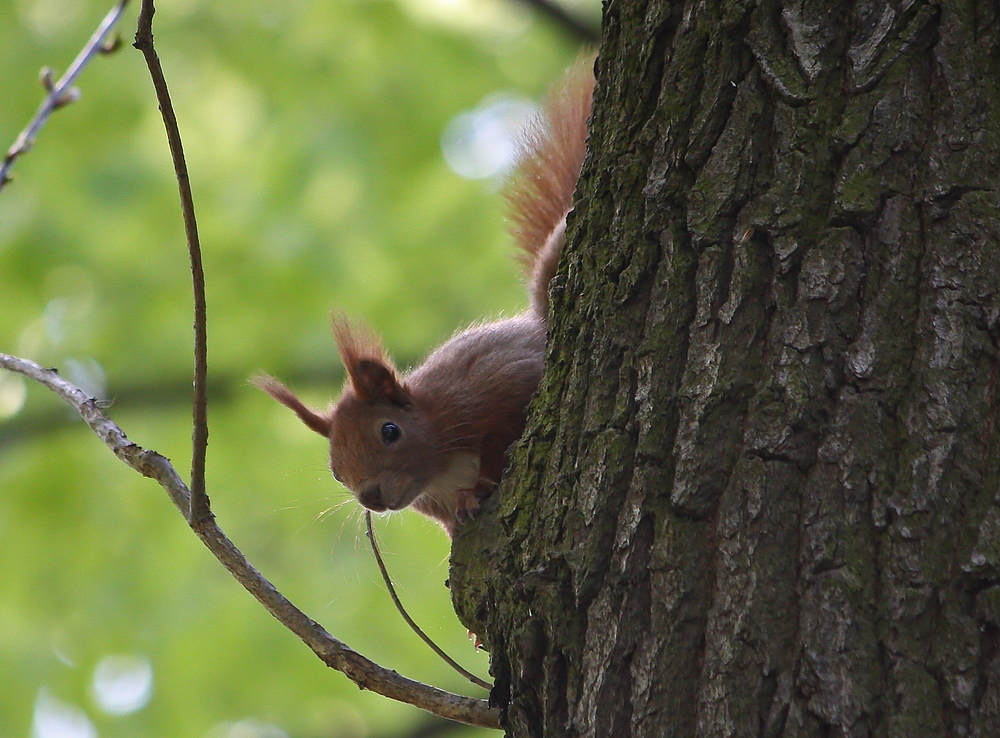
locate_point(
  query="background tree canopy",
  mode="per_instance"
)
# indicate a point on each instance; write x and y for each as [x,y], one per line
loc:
[314,134]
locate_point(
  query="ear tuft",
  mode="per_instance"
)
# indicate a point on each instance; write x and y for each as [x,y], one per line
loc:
[369,368]
[281,393]
[375,381]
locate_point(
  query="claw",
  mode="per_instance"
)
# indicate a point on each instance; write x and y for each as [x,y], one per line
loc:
[466,504]
[467,500]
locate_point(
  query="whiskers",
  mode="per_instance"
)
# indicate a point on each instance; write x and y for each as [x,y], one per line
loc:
[323,515]
[353,521]
[455,437]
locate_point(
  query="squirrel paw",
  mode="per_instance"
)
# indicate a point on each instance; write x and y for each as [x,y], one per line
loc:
[467,500]
[466,504]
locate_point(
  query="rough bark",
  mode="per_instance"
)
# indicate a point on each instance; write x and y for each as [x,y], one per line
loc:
[758,494]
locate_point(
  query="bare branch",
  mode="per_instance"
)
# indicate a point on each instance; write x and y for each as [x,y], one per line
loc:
[193,502]
[199,435]
[61,93]
[406,616]
[362,671]
[555,12]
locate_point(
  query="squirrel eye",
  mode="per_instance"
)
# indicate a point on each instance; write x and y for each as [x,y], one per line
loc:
[390,433]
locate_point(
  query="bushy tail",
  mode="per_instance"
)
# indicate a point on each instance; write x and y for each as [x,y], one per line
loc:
[541,191]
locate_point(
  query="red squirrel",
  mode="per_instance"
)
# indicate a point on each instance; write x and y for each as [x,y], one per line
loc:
[437,436]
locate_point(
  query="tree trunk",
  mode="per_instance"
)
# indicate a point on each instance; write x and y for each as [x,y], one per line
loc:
[758,493]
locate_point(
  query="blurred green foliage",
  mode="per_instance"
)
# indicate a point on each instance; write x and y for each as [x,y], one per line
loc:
[312,131]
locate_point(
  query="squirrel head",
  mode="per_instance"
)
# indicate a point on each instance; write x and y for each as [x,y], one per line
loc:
[381,443]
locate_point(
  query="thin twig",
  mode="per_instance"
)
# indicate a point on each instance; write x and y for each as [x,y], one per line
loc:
[583,31]
[199,435]
[362,671]
[61,93]
[406,616]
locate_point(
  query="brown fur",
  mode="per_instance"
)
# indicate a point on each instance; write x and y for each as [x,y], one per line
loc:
[453,418]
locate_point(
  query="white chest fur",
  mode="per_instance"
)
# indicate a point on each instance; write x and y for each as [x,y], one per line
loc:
[462,472]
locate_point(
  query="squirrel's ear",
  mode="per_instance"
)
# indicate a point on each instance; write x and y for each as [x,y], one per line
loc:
[281,393]
[374,381]
[368,366]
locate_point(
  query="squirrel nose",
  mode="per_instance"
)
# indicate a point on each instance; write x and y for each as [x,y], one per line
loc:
[370,496]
